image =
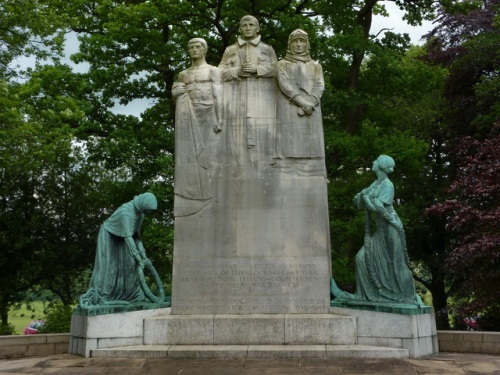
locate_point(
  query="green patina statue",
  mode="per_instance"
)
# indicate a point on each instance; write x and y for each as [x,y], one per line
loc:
[382,272]
[118,276]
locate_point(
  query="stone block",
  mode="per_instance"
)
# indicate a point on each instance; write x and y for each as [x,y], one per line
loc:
[390,342]
[249,329]
[119,341]
[138,351]
[424,325]
[419,347]
[286,351]
[13,351]
[311,329]
[472,336]
[179,330]
[57,338]
[362,351]
[447,335]
[208,351]
[61,348]
[23,340]
[41,350]
[493,337]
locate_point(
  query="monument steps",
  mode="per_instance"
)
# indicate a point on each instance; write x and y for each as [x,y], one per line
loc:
[250,351]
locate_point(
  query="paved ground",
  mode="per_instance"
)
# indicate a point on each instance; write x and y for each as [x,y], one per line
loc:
[66,364]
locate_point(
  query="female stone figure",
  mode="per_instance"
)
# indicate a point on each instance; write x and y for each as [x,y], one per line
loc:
[300,125]
[382,273]
[118,276]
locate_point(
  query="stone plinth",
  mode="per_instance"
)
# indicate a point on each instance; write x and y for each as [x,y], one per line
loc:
[415,332]
[107,331]
[260,329]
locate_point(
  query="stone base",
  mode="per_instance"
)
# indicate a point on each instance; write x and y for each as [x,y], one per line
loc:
[344,332]
[106,331]
[258,329]
[415,332]
[395,308]
[250,351]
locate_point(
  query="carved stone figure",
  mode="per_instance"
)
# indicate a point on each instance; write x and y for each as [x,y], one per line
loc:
[198,117]
[300,125]
[382,272]
[118,275]
[249,91]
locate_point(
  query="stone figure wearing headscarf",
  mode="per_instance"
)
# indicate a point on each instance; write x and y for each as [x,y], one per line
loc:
[119,254]
[300,127]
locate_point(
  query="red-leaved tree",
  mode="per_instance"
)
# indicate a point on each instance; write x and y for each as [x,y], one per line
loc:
[472,216]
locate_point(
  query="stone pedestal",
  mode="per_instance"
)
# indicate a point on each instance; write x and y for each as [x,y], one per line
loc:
[260,329]
[415,332]
[108,331]
[261,247]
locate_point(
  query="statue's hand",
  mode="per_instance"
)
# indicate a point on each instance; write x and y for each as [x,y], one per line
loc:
[308,109]
[145,262]
[249,68]
[179,89]
[218,127]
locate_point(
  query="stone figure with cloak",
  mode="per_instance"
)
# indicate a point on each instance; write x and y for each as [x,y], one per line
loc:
[118,275]
[198,118]
[248,68]
[382,272]
[299,135]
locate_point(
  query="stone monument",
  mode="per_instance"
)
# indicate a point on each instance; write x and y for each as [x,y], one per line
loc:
[261,246]
[251,264]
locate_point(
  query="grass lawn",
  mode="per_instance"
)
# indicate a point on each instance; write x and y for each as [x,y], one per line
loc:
[20,318]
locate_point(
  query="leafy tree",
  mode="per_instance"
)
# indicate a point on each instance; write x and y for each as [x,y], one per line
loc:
[472,222]
[28,28]
[465,42]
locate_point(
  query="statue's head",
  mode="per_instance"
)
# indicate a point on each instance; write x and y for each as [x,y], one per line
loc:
[385,163]
[298,42]
[146,202]
[197,46]
[249,27]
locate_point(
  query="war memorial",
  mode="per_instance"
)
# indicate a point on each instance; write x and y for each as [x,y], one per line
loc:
[252,270]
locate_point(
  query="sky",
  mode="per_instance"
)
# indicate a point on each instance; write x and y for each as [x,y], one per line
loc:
[394,22]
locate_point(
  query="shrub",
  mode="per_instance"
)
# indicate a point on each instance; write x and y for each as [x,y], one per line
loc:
[57,318]
[7,329]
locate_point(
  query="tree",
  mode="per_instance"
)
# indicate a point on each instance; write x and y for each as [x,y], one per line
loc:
[465,42]
[472,218]
[28,28]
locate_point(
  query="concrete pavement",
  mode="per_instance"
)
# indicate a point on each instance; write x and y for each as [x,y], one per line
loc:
[66,364]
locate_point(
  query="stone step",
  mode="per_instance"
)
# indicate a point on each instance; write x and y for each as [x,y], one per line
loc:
[250,351]
[255,329]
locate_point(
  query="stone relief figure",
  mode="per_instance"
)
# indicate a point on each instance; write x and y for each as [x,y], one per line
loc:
[382,272]
[198,117]
[118,275]
[299,132]
[249,90]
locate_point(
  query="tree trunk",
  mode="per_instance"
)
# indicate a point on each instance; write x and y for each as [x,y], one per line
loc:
[439,301]
[4,313]
[364,19]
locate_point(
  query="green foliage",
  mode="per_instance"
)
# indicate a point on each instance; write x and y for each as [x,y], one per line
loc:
[57,318]
[7,329]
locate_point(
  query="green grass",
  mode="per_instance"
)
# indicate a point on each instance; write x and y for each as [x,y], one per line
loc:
[20,318]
